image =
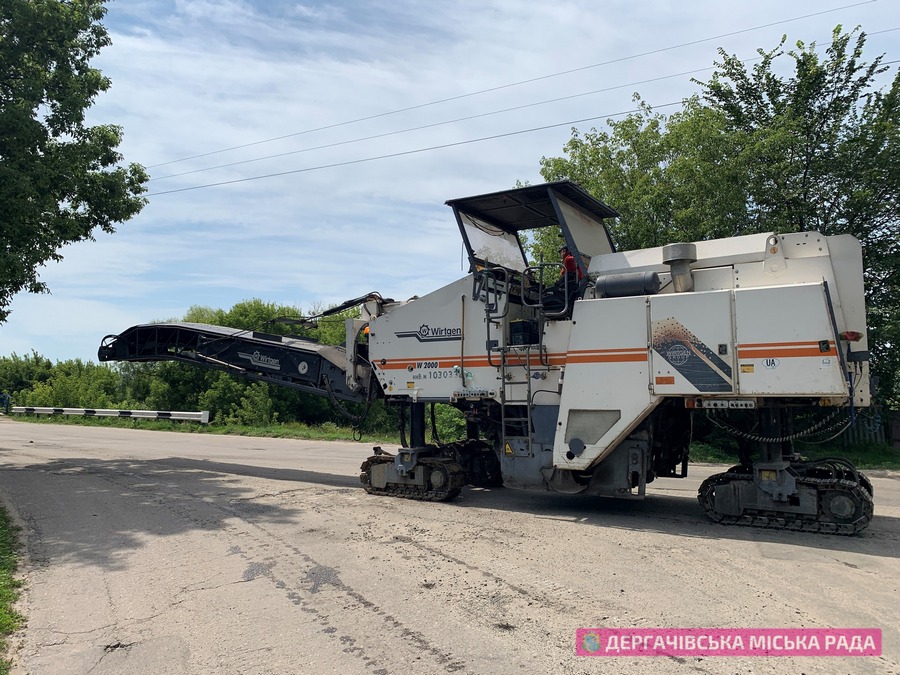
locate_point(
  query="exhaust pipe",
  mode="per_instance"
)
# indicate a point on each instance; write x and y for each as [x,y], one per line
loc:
[679,258]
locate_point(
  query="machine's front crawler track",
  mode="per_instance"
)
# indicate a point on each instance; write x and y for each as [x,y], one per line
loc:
[445,480]
[844,506]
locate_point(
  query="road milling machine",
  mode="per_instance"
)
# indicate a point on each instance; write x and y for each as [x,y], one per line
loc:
[586,381]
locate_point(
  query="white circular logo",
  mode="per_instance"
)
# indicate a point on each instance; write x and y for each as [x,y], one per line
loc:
[303,367]
[677,355]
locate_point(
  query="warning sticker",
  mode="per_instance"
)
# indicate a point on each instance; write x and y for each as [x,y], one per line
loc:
[747,368]
[665,379]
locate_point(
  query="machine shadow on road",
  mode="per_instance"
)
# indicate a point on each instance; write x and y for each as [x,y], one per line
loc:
[178,495]
[672,509]
[117,504]
[296,475]
[676,515]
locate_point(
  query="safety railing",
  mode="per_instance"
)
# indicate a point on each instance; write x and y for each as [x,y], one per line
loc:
[202,416]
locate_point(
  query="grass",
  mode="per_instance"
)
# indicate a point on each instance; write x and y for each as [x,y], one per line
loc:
[711,454]
[863,455]
[867,456]
[10,619]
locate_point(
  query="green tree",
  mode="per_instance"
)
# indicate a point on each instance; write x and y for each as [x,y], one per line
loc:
[669,177]
[253,314]
[75,384]
[816,150]
[177,386]
[450,423]
[201,314]
[21,373]
[256,407]
[59,178]
[134,383]
[222,398]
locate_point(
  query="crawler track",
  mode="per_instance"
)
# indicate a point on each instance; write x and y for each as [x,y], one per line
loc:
[845,506]
[446,479]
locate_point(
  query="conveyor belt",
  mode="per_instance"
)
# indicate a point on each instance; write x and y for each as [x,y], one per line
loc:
[285,361]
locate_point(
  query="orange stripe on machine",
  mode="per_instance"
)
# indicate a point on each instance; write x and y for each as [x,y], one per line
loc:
[470,362]
[481,361]
[607,355]
[782,350]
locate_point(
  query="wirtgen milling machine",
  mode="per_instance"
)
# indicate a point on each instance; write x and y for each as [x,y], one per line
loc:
[586,381]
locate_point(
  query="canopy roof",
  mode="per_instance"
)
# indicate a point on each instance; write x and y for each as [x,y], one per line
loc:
[529,207]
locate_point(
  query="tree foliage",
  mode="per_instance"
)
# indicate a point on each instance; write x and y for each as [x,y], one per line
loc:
[21,373]
[667,177]
[74,384]
[757,152]
[60,179]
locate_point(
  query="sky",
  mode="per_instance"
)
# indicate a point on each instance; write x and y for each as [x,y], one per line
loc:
[230,92]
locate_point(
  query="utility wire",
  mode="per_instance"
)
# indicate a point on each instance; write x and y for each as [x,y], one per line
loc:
[410,152]
[516,84]
[437,124]
[462,119]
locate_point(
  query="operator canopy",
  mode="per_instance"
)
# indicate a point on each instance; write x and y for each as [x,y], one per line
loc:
[491,224]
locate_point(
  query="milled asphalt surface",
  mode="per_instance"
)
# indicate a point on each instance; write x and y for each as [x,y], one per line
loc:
[152,552]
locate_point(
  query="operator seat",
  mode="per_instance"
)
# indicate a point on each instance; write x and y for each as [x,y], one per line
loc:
[557,305]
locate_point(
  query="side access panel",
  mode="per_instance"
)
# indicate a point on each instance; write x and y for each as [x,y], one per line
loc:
[692,343]
[787,343]
[434,347]
[605,385]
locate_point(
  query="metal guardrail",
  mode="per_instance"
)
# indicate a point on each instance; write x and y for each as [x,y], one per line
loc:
[202,416]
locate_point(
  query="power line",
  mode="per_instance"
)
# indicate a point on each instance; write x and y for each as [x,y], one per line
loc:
[445,145]
[437,124]
[409,152]
[514,84]
[461,119]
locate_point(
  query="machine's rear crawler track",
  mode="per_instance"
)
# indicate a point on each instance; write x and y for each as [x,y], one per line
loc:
[843,505]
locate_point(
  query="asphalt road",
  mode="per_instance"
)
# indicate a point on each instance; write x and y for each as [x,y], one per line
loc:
[153,552]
